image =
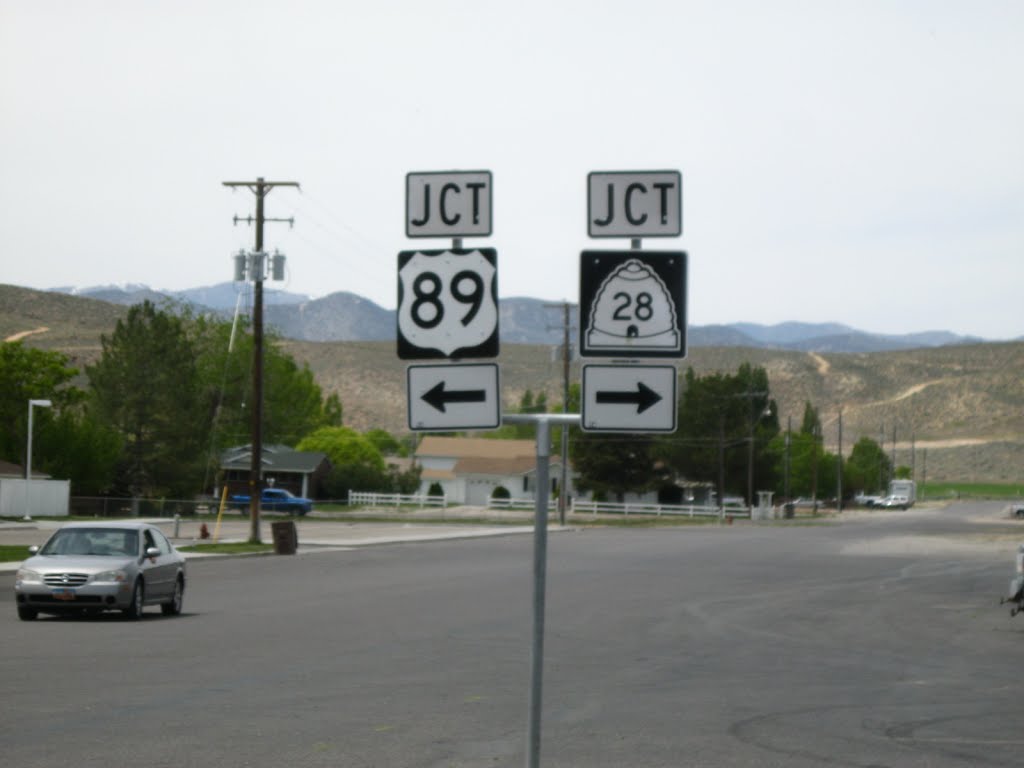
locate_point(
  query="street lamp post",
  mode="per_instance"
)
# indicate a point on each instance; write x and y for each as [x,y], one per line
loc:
[28,454]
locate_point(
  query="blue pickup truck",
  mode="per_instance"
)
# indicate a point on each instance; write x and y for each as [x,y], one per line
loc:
[274,500]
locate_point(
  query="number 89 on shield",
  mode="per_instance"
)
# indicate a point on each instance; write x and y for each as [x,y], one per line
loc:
[447,304]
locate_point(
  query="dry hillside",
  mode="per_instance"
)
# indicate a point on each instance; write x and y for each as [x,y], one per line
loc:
[963,406]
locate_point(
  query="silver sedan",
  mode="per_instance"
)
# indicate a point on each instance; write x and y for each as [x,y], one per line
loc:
[93,567]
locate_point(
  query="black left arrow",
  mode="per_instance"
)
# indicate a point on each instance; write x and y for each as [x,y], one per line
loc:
[438,397]
[643,398]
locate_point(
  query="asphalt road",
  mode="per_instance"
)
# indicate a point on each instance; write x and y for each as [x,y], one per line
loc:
[875,641]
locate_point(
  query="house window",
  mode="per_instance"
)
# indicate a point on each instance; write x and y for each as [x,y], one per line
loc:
[526,483]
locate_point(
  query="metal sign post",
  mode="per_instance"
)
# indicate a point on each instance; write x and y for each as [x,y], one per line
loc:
[543,421]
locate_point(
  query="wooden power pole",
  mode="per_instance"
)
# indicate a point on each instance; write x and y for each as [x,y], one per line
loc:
[260,188]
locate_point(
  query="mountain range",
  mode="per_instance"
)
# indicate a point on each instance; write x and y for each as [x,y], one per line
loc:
[344,316]
[953,410]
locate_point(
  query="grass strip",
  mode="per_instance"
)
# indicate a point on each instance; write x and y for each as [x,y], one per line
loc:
[14,553]
[227,548]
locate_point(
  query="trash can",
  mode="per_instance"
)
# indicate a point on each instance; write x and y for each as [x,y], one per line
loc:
[286,537]
[789,510]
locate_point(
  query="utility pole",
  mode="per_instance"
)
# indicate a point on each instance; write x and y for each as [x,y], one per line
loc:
[754,420]
[789,433]
[839,461]
[913,456]
[566,359]
[260,188]
[924,469]
[721,464]
[815,436]
[893,449]
[881,458]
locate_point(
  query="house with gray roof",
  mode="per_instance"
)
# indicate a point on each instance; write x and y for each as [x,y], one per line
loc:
[301,472]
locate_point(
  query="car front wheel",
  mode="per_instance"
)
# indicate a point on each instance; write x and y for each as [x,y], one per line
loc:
[134,609]
[173,606]
[27,614]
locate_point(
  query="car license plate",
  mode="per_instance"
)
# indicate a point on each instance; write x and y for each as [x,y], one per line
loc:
[63,594]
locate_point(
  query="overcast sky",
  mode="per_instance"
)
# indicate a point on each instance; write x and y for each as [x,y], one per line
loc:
[858,162]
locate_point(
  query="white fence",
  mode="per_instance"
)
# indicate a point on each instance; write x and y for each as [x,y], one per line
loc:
[686,510]
[494,503]
[395,500]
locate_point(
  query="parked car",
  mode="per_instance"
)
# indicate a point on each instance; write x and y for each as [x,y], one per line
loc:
[866,500]
[893,502]
[92,567]
[275,500]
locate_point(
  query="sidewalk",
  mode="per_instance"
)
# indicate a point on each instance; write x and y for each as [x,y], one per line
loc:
[313,536]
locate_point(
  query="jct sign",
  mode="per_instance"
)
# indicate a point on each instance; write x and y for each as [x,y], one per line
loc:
[448,204]
[634,204]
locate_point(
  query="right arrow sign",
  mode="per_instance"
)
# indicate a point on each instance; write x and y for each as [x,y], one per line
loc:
[629,398]
[643,398]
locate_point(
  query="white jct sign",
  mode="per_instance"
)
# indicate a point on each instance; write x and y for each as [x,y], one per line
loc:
[634,204]
[448,204]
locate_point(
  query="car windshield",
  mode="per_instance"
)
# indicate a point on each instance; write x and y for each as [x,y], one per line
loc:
[93,541]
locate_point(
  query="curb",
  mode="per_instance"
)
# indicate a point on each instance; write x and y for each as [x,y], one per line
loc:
[315,546]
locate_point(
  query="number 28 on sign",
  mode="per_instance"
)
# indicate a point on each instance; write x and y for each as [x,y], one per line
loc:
[447,304]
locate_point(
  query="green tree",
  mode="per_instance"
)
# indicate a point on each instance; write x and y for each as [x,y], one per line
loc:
[868,469]
[386,443]
[69,442]
[145,386]
[813,472]
[405,481]
[616,464]
[811,423]
[31,374]
[333,412]
[528,403]
[356,477]
[81,448]
[293,403]
[723,419]
[343,446]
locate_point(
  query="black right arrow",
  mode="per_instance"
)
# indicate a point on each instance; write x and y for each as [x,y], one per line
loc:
[643,398]
[438,398]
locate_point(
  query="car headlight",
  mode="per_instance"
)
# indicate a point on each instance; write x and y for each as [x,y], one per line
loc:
[109,576]
[28,576]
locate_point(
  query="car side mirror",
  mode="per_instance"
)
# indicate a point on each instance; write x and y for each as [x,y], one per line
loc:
[34,549]
[152,552]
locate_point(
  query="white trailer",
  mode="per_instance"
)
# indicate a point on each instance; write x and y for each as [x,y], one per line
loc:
[904,488]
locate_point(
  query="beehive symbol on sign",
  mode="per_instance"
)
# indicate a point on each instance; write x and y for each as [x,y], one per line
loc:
[633,308]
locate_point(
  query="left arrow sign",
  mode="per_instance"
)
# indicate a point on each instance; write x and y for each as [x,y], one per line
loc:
[438,397]
[454,397]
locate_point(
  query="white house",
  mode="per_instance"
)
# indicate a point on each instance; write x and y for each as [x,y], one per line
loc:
[470,469]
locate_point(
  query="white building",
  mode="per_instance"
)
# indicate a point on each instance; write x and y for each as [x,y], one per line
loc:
[469,470]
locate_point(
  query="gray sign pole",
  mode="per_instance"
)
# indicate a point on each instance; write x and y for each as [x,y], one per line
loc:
[543,421]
